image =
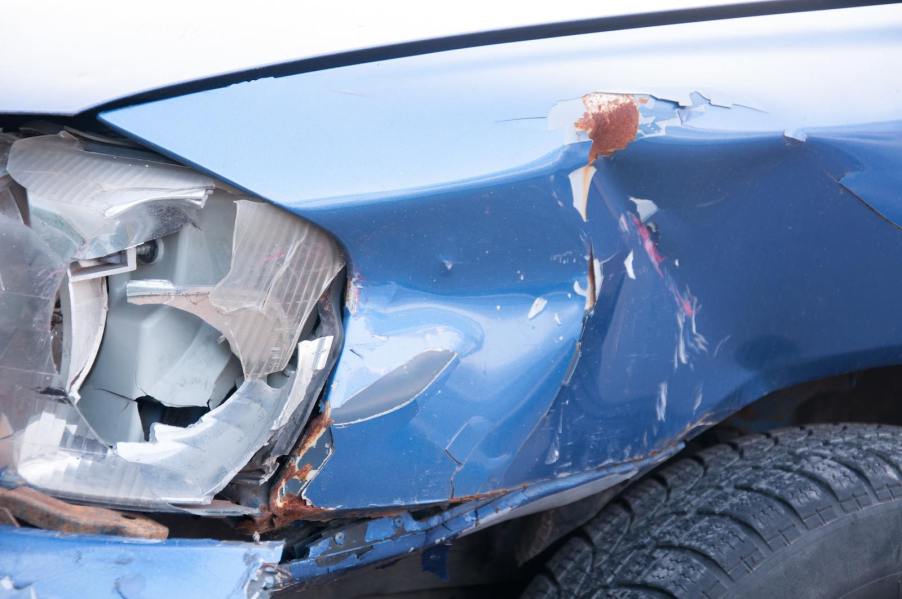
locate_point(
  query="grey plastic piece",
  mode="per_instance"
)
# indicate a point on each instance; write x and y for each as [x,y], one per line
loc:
[106,266]
[164,353]
[11,199]
[280,268]
[91,204]
[85,304]
[114,418]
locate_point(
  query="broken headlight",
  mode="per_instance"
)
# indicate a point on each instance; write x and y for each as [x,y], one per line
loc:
[160,336]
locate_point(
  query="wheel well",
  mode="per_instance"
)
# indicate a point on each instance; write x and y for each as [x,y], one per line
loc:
[873,396]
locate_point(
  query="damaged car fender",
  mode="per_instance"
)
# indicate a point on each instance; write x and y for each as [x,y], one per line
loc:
[370,305]
[581,235]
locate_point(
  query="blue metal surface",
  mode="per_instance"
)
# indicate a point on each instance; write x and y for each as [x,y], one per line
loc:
[372,541]
[453,181]
[48,565]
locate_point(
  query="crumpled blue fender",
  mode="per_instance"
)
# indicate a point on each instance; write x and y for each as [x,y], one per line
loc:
[540,314]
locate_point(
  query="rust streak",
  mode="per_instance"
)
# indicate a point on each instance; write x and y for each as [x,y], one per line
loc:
[40,510]
[285,507]
[610,120]
[317,427]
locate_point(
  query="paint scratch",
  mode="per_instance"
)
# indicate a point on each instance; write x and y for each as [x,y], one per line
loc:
[661,405]
[628,264]
[580,182]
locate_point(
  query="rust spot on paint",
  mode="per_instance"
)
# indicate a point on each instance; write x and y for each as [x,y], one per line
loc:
[459,499]
[317,427]
[287,506]
[295,507]
[610,120]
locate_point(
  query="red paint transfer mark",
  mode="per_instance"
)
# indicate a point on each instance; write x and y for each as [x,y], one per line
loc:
[610,120]
[648,243]
[686,303]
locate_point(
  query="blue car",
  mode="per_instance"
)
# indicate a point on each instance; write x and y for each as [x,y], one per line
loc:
[451,301]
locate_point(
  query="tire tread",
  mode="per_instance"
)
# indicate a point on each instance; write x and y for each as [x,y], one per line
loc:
[695,526]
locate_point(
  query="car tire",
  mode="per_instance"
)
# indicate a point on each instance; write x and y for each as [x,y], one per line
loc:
[813,511]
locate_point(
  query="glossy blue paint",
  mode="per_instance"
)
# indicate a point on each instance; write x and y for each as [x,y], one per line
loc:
[50,565]
[453,181]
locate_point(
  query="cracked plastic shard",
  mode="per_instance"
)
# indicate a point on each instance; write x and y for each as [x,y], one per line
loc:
[89,202]
[173,466]
[233,431]
[280,267]
[86,303]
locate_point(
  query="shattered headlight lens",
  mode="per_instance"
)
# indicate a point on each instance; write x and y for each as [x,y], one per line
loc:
[160,336]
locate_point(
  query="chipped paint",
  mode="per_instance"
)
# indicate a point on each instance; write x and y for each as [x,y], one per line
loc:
[537,306]
[580,183]
[645,208]
[661,403]
[628,265]
[648,244]
[795,135]
[611,122]
[697,397]
[352,293]
[372,541]
[582,291]
[287,504]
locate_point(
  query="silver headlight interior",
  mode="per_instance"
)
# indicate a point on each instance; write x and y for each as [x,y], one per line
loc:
[158,332]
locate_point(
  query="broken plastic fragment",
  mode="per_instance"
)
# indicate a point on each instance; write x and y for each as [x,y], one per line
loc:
[105,266]
[89,204]
[232,432]
[85,303]
[280,268]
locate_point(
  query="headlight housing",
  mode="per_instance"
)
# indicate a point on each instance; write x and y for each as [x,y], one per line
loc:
[159,333]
